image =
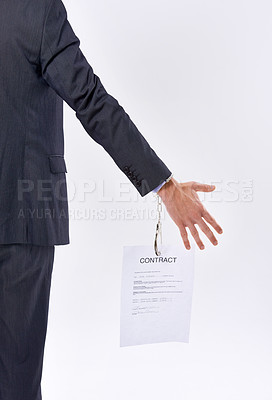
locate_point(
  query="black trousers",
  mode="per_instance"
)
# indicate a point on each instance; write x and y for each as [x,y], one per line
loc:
[25,280]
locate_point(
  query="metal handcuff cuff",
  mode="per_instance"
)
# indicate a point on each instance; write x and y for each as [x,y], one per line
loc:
[159,224]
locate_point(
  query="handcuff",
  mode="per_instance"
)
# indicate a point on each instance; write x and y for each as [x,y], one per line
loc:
[159,223]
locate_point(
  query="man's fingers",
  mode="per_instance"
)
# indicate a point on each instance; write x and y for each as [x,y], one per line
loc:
[203,187]
[204,227]
[184,237]
[195,235]
[212,221]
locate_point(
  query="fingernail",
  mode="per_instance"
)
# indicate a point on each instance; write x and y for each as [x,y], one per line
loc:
[215,242]
[202,247]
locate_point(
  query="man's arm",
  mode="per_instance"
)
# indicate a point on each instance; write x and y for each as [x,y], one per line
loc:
[65,69]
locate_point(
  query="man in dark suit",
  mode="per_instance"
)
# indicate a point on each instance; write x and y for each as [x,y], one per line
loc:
[41,65]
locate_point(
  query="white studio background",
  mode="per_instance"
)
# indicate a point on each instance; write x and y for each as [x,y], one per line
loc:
[195,78]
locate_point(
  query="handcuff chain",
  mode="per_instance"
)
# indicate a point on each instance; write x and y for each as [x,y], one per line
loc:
[158,226]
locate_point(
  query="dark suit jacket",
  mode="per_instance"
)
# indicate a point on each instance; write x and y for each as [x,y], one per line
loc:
[41,65]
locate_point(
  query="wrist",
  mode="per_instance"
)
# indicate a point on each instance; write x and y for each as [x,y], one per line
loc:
[167,189]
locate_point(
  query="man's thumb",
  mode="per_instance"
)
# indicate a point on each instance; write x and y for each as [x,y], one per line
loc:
[203,187]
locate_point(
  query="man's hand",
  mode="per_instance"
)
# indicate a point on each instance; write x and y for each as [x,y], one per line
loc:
[186,210]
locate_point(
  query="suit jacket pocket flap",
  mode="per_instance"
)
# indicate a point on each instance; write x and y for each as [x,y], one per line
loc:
[57,163]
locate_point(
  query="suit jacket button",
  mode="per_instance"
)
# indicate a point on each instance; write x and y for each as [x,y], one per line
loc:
[134,178]
[130,174]
[126,169]
[138,183]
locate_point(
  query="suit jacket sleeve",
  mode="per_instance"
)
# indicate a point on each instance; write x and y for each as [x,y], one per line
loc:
[65,69]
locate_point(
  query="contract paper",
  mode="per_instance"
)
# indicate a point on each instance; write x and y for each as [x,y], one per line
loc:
[156,294]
